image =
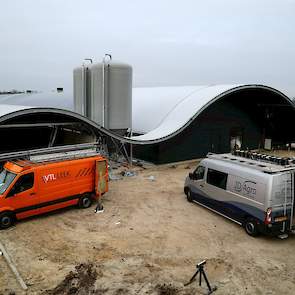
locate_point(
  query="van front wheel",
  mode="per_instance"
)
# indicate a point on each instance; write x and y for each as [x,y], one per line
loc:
[189,195]
[6,220]
[251,227]
[85,201]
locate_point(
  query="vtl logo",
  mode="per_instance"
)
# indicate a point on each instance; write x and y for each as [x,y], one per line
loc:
[49,177]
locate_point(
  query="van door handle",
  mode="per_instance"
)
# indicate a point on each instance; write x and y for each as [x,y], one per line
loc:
[32,194]
[201,185]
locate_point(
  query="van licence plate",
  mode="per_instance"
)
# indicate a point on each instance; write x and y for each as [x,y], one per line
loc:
[281,218]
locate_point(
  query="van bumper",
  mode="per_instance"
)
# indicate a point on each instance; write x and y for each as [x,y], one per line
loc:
[274,229]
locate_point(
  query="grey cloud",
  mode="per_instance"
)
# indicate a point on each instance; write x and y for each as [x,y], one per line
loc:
[167,42]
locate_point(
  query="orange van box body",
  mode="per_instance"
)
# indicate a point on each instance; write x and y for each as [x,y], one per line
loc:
[57,184]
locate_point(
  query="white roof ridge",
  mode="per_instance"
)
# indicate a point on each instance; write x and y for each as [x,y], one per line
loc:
[178,103]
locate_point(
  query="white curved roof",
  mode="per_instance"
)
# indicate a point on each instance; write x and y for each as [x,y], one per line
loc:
[160,112]
[184,104]
[6,109]
[151,105]
[61,100]
[158,108]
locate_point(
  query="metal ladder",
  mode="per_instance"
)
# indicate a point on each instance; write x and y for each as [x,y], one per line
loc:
[76,150]
[63,155]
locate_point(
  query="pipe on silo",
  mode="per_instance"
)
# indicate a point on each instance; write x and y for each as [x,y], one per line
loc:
[83,90]
[104,92]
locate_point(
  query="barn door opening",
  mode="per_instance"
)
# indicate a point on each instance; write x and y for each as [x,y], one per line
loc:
[236,138]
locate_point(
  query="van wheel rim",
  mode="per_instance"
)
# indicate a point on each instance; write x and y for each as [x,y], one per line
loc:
[250,227]
[5,220]
[86,202]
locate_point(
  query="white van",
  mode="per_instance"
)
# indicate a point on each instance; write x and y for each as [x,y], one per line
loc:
[255,191]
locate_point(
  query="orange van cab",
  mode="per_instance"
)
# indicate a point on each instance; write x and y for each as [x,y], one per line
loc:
[30,188]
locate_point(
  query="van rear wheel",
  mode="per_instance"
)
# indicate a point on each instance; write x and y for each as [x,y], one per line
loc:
[85,202]
[251,227]
[6,220]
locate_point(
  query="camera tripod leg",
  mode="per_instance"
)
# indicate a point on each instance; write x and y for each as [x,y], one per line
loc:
[211,290]
[192,279]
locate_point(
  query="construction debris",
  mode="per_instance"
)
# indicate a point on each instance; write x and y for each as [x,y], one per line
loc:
[114,177]
[80,281]
[128,173]
[151,178]
[166,289]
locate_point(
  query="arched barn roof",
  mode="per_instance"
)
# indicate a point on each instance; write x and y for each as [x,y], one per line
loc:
[160,113]
[10,113]
[61,100]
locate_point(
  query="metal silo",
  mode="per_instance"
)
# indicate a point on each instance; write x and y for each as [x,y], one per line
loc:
[106,90]
[109,93]
[118,96]
[79,76]
[95,93]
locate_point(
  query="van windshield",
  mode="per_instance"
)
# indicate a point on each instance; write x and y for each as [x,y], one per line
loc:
[6,178]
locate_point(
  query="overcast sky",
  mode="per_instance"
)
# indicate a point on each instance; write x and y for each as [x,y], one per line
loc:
[167,42]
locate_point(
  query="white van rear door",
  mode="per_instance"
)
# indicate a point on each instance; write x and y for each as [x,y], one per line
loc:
[282,190]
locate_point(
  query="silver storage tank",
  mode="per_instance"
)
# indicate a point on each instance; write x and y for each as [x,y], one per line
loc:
[95,92]
[79,77]
[111,95]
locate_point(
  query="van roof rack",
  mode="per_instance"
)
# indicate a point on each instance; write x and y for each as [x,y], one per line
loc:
[48,150]
[27,158]
[63,155]
[263,163]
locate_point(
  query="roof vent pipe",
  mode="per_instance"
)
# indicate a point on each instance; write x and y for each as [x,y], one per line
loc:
[83,90]
[104,88]
[89,59]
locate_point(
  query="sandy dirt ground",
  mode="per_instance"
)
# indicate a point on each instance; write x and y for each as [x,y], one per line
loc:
[147,241]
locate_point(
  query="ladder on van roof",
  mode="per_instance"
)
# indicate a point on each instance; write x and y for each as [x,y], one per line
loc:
[54,153]
[63,155]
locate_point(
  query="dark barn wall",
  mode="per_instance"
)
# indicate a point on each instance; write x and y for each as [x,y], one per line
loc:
[245,112]
[23,139]
[210,132]
[18,139]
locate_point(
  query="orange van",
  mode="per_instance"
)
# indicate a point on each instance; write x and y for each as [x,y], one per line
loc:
[29,188]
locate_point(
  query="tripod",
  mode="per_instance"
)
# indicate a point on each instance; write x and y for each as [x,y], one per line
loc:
[201,271]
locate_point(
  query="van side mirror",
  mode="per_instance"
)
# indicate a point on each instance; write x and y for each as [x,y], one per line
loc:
[191,175]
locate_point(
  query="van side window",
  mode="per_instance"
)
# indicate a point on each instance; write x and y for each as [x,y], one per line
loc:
[24,183]
[217,178]
[199,173]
